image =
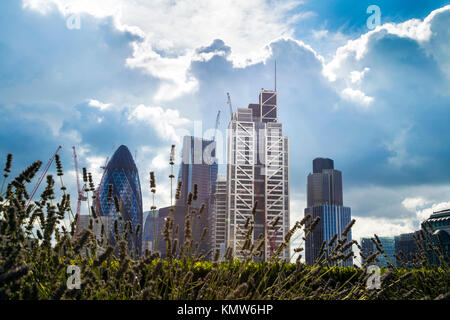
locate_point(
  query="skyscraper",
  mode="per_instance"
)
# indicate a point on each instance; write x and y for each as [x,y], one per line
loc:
[258,171]
[198,167]
[218,215]
[324,184]
[325,200]
[122,174]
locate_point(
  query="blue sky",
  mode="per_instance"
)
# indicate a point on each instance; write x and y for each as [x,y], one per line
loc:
[98,74]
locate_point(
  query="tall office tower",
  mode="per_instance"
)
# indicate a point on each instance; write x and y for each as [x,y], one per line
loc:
[218,215]
[325,200]
[198,166]
[320,164]
[258,171]
[324,184]
[122,174]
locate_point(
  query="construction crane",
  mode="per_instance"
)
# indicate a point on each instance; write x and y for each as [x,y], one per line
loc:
[217,125]
[229,105]
[49,163]
[100,185]
[81,196]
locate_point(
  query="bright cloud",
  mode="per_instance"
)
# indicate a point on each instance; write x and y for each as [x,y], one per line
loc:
[413,203]
[356,96]
[166,122]
[173,30]
[415,29]
[97,104]
[425,213]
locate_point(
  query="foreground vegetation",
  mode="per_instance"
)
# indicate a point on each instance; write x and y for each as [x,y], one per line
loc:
[38,243]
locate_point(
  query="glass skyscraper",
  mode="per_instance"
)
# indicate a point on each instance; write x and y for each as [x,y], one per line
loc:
[198,167]
[325,200]
[122,173]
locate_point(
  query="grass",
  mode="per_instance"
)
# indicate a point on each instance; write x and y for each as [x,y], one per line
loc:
[37,245]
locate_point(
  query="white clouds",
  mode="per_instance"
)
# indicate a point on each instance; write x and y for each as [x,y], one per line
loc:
[425,213]
[368,226]
[356,49]
[411,204]
[97,104]
[167,123]
[173,30]
[356,96]
[357,76]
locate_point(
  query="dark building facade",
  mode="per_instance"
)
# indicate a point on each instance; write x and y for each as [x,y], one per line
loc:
[197,221]
[324,185]
[198,167]
[406,246]
[122,173]
[218,216]
[439,225]
[320,164]
[325,200]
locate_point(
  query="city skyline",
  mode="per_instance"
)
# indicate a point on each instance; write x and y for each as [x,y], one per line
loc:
[374,100]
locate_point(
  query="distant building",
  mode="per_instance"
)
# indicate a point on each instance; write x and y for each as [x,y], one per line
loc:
[388,246]
[151,231]
[325,200]
[105,221]
[218,215]
[439,224]
[198,223]
[258,171]
[367,248]
[122,174]
[198,167]
[406,247]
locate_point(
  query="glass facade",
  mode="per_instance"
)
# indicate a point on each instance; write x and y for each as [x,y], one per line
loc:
[388,244]
[151,230]
[122,173]
[333,220]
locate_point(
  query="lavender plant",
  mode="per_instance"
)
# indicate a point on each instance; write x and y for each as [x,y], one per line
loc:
[39,242]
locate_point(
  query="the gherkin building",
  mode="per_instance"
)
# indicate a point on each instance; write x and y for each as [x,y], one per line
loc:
[121,172]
